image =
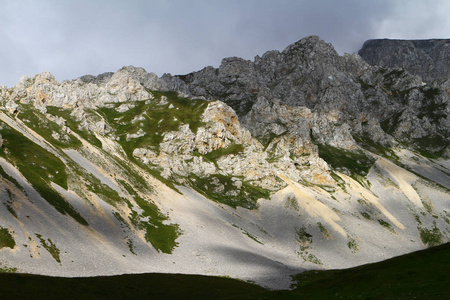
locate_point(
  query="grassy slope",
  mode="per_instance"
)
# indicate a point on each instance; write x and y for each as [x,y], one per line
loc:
[39,167]
[419,275]
[143,286]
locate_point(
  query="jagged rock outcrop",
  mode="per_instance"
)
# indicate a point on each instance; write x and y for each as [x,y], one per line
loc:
[312,75]
[429,59]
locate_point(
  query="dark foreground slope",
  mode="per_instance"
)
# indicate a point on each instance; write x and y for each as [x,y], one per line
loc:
[131,286]
[419,275]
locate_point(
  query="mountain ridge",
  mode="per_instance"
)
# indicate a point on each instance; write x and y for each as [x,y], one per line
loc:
[301,159]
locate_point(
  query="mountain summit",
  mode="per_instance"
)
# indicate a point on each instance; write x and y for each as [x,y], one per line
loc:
[300,159]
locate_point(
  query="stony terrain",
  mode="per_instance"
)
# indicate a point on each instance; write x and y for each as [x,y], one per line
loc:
[300,159]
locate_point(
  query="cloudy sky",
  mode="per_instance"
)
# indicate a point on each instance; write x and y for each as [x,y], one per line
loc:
[71,38]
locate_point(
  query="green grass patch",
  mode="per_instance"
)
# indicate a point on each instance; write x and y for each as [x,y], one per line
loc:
[221,188]
[366,216]
[432,146]
[419,275]
[6,269]
[44,127]
[6,239]
[105,192]
[386,225]
[367,143]
[352,163]
[309,257]
[352,245]
[291,203]
[391,122]
[214,155]
[154,117]
[130,245]
[324,231]
[253,237]
[9,178]
[50,247]
[304,238]
[74,125]
[431,237]
[8,205]
[162,236]
[39,167]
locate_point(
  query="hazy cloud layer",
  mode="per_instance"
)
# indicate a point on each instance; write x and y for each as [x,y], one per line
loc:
[74,38]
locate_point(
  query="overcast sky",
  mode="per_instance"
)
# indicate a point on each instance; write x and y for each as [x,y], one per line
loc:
[72,38]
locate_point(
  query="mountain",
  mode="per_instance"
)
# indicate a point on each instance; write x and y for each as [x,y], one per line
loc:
[298,160]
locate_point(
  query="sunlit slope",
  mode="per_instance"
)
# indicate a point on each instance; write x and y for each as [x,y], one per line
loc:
[79,199]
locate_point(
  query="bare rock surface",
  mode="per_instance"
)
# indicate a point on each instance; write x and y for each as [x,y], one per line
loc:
[429,59]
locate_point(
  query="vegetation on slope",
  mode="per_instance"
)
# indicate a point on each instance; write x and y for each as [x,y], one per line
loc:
[223,189]
[74,125]
[148,120]
[353,163]
[161,235]
[39,167]
[49,130]
[6,239]
[154,118]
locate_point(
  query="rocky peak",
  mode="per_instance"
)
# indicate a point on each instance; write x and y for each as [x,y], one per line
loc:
[345,90]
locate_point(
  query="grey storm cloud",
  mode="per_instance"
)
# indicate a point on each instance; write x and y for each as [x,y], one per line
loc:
[74,38]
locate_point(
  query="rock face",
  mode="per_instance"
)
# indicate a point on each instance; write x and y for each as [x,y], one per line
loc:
[346,96]
[429,59]
[300,159]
